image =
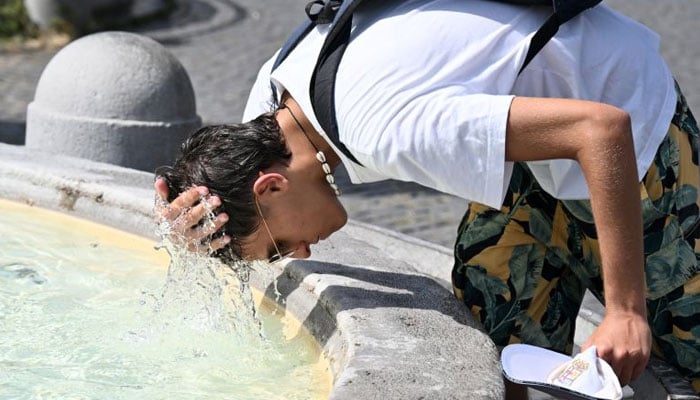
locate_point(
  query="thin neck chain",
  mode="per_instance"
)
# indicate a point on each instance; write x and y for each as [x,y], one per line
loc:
[320,156]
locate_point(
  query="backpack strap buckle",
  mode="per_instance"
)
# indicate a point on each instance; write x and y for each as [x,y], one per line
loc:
[322,12]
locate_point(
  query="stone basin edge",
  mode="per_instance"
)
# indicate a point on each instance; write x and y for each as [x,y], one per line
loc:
[378,302]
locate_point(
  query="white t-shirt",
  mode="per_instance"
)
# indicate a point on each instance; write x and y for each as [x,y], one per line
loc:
[423,93]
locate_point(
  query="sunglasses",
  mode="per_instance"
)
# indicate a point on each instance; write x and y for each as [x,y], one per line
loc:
[279,256]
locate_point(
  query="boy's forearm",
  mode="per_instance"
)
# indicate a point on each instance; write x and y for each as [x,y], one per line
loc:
[610,167]
[599,138]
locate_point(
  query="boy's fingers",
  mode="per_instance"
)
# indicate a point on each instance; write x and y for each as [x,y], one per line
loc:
[188,219]
[218,222]
[161,187]
[201,232]
[219,243]
[182,203]
[187,212]
[188,198]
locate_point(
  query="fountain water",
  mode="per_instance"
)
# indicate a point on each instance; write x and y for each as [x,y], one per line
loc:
[88,312]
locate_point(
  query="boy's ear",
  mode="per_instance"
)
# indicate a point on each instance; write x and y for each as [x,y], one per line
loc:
[271,183]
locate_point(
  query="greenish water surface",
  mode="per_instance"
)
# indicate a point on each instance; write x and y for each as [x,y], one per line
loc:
[88,312]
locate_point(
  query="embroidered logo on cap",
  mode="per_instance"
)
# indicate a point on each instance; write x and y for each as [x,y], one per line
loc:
[572,372]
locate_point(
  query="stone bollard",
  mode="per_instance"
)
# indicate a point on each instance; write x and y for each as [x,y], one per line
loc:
[114,97]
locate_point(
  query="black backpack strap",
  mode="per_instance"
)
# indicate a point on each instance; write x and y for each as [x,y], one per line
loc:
[322,88]
[299,33]
[564,10]
[319,13]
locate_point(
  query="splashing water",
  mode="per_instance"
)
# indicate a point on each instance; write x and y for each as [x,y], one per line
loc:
[201,291]
[87,312]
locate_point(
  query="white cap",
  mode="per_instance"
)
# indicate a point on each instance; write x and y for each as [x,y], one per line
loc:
[583,377]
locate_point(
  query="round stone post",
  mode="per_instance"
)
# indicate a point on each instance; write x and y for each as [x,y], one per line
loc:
[114,97]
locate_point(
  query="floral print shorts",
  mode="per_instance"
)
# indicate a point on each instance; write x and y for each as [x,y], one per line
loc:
[522,270]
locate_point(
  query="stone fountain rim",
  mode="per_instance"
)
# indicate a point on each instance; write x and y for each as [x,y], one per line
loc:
[384,320]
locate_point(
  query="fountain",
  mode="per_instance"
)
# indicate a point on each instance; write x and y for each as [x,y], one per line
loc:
[376,302]
[385,327]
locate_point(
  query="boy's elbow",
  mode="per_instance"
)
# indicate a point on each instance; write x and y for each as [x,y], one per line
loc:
[610,123]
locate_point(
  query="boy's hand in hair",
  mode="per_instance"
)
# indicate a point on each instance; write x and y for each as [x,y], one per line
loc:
[187,215]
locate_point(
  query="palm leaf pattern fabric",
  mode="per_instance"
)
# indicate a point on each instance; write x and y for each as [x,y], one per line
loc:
[522,270]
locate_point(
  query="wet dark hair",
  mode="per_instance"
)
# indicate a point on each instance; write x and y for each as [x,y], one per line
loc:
[227,159]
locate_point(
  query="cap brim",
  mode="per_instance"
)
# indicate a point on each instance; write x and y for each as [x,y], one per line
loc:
[529,365]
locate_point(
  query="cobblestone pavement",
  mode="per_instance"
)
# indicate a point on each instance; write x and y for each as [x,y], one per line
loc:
[221,43]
